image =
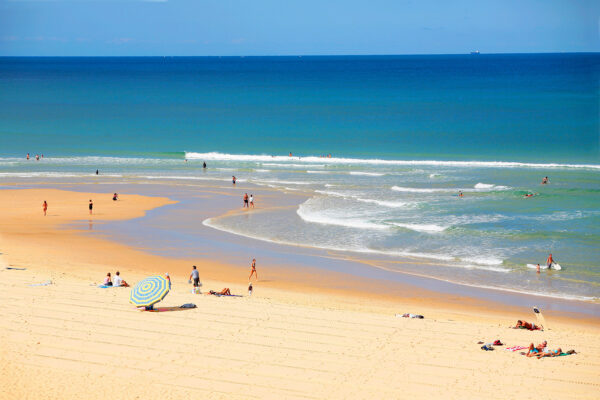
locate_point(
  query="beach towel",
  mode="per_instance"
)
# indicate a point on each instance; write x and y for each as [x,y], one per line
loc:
[188,305]
[516,348]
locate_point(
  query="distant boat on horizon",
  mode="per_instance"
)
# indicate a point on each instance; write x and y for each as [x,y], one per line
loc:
[475,52]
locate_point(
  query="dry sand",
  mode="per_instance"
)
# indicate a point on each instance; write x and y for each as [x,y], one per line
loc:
[71,339]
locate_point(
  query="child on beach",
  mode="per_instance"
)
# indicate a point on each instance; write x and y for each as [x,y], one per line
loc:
[252,200]
[115,197]
[91,206]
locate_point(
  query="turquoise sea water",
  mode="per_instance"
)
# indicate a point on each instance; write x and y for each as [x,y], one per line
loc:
[406,134]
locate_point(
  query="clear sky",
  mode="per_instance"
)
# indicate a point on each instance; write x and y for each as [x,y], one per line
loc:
[289,27]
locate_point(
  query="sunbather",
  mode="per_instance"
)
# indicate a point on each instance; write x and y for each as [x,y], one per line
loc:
[527,325]
[555,353]
[224,292]
[550,353]
[534,351]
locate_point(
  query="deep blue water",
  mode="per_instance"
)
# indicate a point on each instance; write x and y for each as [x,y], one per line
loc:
[528,107]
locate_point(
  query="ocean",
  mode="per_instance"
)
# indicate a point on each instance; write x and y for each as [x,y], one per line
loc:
[406,134]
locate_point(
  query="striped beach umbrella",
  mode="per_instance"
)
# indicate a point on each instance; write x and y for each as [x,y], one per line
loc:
[149,291]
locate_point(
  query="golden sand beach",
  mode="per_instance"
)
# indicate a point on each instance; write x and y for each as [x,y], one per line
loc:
[293,338]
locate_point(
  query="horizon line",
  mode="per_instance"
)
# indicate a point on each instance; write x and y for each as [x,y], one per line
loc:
[302,55]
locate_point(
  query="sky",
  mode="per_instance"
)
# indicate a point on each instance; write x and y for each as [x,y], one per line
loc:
[295,27]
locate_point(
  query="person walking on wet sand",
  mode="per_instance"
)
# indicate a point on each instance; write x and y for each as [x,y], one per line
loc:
[253,272]
[91,206]
[245,200]
[233,179]
[252,200]
[45,207]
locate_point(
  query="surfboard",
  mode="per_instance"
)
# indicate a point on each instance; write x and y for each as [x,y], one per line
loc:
[556,266]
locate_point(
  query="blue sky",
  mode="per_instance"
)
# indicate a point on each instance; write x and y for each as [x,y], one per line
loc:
[289,27]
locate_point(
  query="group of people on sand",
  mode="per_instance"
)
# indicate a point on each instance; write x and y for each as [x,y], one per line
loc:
[37,157]
[195,280]
[114,281]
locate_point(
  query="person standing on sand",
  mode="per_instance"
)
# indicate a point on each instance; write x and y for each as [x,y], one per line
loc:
[91,206]
[45,207]
[195,275]
[252,200]
[253,266]
[245,200]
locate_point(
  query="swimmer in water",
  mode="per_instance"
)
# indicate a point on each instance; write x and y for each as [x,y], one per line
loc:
[460,193]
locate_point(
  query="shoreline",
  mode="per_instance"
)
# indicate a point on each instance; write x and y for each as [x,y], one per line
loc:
[297,275]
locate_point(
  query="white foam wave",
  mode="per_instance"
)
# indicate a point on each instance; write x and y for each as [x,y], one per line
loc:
[434,175]
[281,182]
[391,204]
[316,172]
[488,186]
[483,260]
[366,173]
[320,217]
[291,165]
[55,175]
[421,190]
[215,156]
[427,228]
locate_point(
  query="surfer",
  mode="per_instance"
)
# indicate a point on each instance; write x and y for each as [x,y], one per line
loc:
[549,261]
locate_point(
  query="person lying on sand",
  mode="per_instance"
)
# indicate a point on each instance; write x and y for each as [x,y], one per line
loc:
[550,353]
[527,325]
[224,292]
[534,351]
